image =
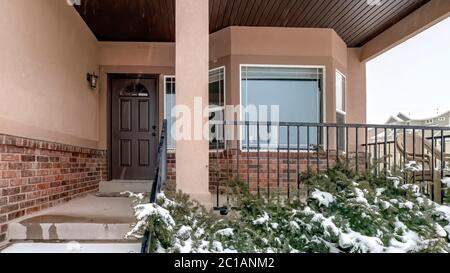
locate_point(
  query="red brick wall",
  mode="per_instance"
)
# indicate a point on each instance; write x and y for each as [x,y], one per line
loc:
[35,175]
[276,171]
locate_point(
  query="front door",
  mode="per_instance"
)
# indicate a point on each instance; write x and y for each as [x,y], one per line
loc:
[133,128]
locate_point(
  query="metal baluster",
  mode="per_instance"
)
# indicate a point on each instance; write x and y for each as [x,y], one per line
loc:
[423,162]
[366,149]
[288,162]
[268,165]
[298,161]
[278,162]
[414,153]
[442,163]
[307,153]
[346,146]
[307,156]
[317,152]
[218,169]
[248,153]
[384,152]
[257,158]
[376,151]
[356,148]
[395,150]
[432,164]
[238,176]
[328,147]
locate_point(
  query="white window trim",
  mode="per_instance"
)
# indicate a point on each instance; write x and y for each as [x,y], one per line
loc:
[165,92]
[211,70]
[224,83]
[214,69]
[224,97]
[345,92]
[324,93]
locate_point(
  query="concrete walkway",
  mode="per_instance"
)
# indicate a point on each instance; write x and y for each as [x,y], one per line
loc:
[95,221]
[72,247]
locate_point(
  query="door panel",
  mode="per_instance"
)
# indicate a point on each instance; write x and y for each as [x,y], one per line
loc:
[133,128]
[144,125]
[126,116]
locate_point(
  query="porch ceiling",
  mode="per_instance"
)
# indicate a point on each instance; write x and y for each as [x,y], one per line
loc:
[355,21]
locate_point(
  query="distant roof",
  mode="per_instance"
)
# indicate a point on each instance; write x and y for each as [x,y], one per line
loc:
[403,117]
[400,117]
[392,119]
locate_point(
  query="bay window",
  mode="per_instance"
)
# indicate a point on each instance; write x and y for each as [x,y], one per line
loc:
[281,94]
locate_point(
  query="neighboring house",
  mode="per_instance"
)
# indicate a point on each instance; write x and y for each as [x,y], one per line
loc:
[63,137]
[442,120]
[439,120]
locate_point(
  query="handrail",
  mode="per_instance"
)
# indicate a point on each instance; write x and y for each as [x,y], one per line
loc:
[159,180]
[274,164]
[340,125]
[393,142]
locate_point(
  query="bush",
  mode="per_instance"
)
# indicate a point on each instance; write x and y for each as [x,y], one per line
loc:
[344,212]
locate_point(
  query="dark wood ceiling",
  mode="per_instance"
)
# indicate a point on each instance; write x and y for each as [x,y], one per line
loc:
[355,21]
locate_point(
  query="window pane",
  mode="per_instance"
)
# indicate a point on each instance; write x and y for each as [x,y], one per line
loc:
[170,103]
[340,92]
[217,103]
[294,91]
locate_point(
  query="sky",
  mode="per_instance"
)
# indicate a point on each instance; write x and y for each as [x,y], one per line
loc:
[412,78]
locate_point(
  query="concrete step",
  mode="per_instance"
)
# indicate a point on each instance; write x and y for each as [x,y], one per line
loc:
[72,247]
[67,231]
[118,186]
[88,218]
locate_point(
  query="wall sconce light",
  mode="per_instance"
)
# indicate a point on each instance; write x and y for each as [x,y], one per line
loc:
[92,79]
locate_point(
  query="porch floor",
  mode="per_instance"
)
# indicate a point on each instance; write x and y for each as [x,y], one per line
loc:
[90,218]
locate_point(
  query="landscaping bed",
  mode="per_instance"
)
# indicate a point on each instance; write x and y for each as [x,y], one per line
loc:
[344,212]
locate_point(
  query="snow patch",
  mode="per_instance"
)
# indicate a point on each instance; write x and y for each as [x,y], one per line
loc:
[324,198]
[262,220]
[228,232]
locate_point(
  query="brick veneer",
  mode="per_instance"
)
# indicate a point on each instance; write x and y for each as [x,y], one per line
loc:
[35,175]
[278,171]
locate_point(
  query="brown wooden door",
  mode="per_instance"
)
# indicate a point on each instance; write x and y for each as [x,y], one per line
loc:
[133,128]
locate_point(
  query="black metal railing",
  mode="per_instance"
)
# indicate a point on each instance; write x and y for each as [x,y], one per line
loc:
[160,176]
[272,156]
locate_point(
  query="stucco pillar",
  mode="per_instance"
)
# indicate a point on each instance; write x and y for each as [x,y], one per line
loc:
[191,72]
[356,95]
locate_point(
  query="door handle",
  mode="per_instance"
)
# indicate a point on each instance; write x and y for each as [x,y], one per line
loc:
[153,134]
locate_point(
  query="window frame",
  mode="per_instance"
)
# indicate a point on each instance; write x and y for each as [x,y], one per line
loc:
[339,111]
[323,97]
[166,77]
[343,112]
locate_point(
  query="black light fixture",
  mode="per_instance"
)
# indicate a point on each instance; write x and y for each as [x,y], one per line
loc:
[92,79]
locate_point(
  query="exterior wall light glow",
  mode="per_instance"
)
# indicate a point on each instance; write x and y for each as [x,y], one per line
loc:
[92,79]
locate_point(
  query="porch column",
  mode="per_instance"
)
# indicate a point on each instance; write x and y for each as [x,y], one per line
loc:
[191,72]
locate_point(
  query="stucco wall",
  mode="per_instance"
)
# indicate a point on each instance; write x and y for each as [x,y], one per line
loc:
[134,58]
[47,54]
[286,46]
[46,51]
